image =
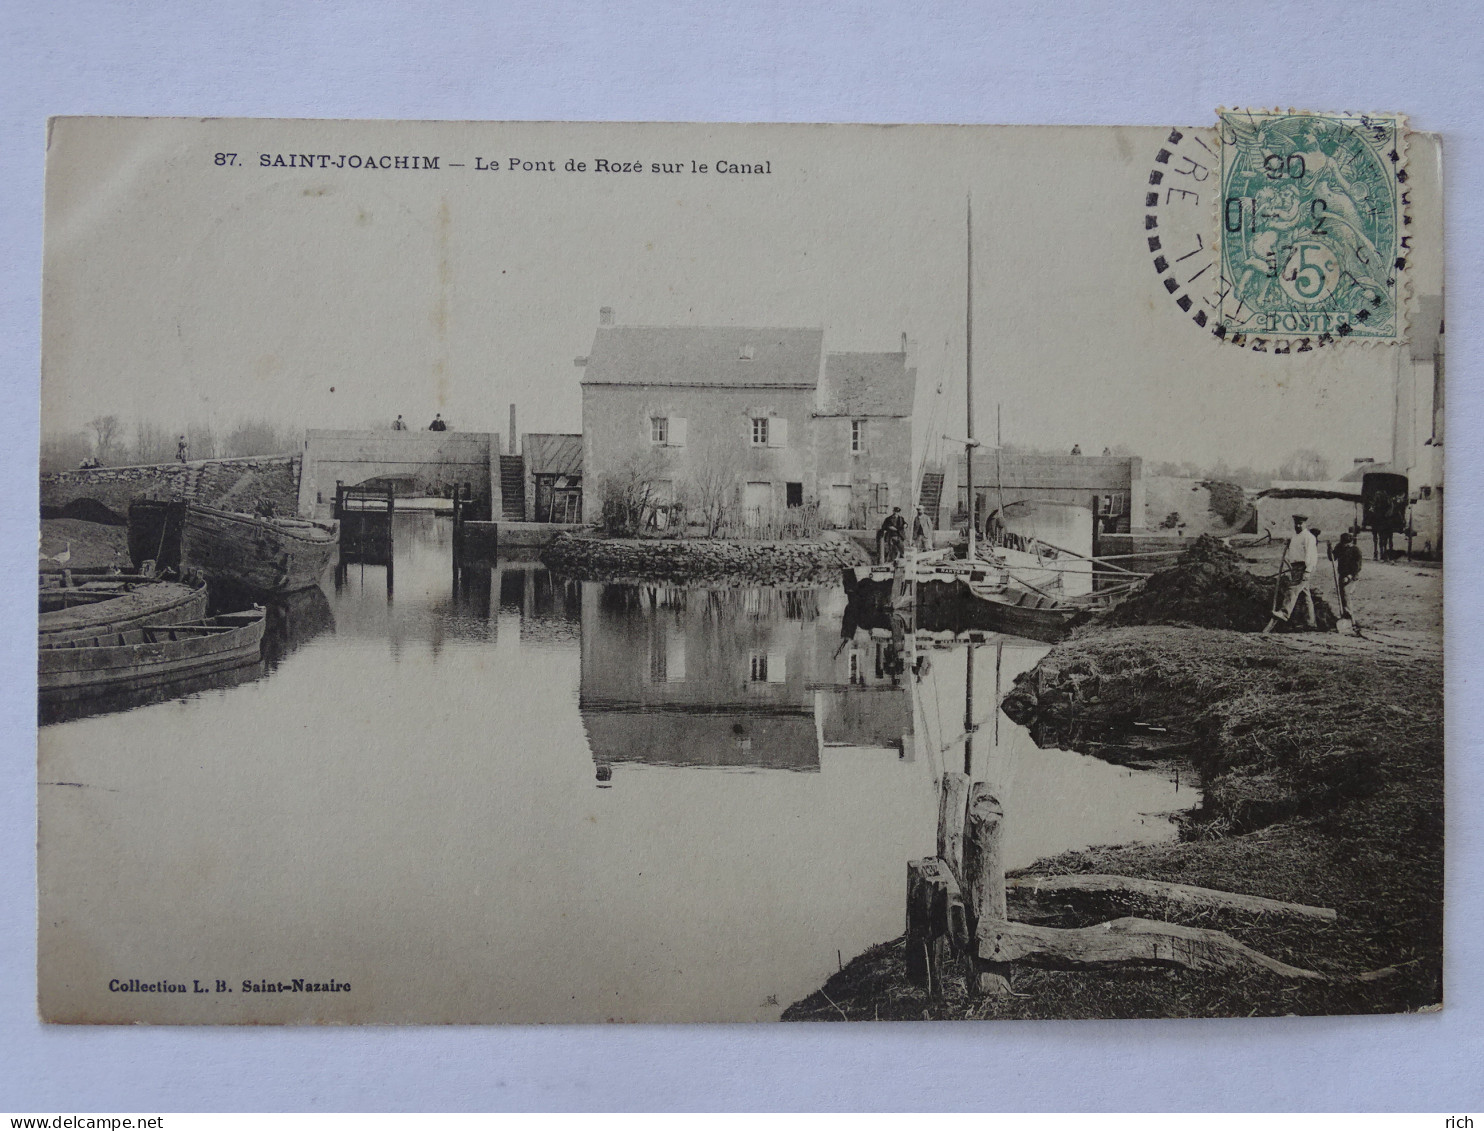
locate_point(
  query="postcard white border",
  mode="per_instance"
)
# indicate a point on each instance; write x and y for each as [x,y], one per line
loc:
[1072,63]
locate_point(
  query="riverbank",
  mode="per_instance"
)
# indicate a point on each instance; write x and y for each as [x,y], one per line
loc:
[88,545]
[1322,762]
[678,561]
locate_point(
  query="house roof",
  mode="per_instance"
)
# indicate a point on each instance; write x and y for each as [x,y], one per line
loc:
[868,384]
[552,453]
[712,356]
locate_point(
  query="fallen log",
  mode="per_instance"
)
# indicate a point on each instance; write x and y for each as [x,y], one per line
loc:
[1133,940]
[1190,896]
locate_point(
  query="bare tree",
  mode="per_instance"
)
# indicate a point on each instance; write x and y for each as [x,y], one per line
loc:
[631,493]
[152,443]
[712,491]
[202,440]
[63,451]
[1304,464]
[256,438]
[105,432]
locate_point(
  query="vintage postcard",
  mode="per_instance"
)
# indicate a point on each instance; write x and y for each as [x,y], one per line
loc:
[521,572]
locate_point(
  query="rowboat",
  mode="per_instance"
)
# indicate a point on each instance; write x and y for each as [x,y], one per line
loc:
[115,604]
[263,556]
[139,658]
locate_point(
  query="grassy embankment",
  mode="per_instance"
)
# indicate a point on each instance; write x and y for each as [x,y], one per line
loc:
[1323,775]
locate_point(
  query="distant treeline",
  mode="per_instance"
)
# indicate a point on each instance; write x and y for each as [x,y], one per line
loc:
[1306,464]
[113,443]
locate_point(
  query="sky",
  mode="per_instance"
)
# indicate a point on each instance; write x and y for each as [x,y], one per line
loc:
[182,290]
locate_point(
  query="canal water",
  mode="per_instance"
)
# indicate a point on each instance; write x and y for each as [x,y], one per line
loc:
[494,795]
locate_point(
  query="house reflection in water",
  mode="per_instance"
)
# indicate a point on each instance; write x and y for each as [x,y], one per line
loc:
[730,678]
[863,697]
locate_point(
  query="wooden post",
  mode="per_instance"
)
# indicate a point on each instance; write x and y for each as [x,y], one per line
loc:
[984,878]
[935,922]
[952,803]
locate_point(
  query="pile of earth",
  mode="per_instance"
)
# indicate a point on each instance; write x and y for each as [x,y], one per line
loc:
[1209,586]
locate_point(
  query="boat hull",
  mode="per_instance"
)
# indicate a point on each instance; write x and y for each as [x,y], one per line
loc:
[138,659]
[953,604]
[139,602]
[242,552]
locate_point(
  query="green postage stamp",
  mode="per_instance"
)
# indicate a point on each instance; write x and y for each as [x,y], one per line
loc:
[1313,224]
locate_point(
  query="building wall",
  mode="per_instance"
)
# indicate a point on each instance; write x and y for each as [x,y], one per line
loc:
[430,459]
[1417,424]
[616,428]
[1056,479]
[887,459]
[540,451]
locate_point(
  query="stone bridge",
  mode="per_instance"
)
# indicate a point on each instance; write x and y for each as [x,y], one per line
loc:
[416,461]
[233,484]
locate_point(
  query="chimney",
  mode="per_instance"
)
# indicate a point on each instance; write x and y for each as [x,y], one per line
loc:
[605,316]
[904,341]
[514,445]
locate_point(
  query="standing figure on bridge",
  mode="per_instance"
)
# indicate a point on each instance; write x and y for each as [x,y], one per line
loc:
[182,449]
[399,425]
[438,424]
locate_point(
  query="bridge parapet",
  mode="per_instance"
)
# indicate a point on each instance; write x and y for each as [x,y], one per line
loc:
[239,482]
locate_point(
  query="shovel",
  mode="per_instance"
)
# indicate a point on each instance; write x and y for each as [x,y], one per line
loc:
[1277,589]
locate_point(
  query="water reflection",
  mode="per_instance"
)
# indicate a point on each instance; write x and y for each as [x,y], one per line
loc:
[699,677]
[441,754]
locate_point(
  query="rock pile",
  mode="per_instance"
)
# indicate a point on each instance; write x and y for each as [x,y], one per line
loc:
[1209,586]
[681,561]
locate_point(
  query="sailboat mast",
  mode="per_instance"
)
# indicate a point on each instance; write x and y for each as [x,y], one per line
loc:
[969,375]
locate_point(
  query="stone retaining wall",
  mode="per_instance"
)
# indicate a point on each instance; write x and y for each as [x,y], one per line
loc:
[232,484]
[699,560]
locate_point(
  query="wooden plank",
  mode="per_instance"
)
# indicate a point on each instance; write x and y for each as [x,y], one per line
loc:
[953,799]
[1132,940]
[1204,898]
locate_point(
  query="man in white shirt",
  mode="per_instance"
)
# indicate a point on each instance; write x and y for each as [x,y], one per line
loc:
[1303,560]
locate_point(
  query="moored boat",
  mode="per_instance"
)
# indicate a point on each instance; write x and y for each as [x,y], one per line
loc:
[261,555]
[139,658]
[960,596]
[102,605]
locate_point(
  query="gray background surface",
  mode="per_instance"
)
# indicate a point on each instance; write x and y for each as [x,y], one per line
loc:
[1072,63]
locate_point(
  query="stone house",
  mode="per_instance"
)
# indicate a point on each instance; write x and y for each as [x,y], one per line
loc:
[863,436]
[759,414]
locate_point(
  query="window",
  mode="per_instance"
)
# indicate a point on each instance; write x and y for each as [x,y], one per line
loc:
[857,435]
[745,353]
[659,429]
[758,667]
[1107,504]
[760,430]
[794,494]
